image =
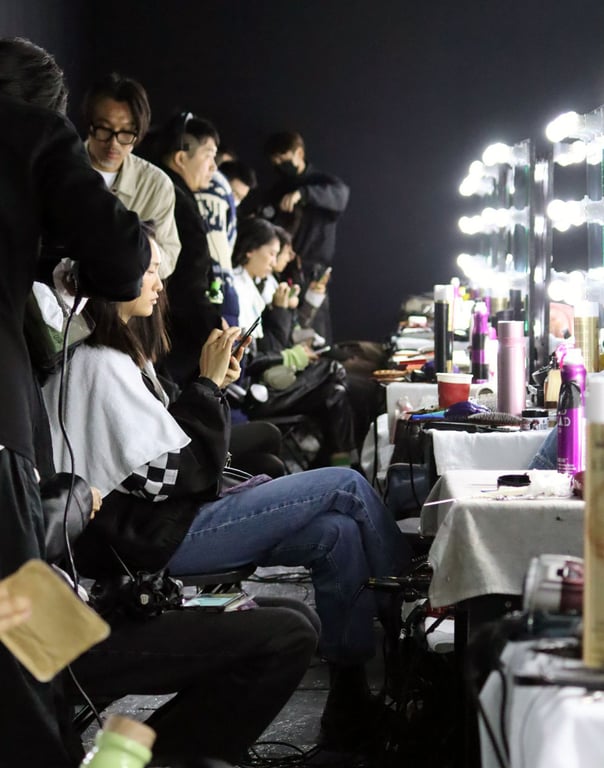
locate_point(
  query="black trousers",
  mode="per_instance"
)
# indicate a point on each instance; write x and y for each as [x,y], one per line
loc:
[232,674]
[30,711]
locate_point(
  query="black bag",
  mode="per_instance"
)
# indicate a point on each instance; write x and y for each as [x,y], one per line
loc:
[286,401]
[55,494]
[141,595]
[409,442]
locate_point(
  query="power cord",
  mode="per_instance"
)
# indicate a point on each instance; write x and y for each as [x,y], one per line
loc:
[69,553]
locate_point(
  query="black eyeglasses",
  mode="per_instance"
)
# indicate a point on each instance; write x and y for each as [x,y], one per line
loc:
[100,133]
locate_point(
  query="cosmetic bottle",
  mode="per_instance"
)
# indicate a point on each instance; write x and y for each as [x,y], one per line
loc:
[511,367]
[442,337]
[123,743]
[593,550]
[480,336]
[571,414]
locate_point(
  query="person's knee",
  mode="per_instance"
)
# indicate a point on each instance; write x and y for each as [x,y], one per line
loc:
[297,636]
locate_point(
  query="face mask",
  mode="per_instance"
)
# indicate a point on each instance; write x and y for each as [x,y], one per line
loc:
[287,168]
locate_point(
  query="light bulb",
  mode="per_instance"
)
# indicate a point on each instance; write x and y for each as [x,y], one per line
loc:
[569,154]
[497,153]
[563,126]
[556,289]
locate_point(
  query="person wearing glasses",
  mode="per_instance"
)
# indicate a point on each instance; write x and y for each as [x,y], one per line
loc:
[117,116]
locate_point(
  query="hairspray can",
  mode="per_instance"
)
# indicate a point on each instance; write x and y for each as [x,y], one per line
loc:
[441,329]
[480,335]
[586,327]
[593,489]
[571,414]
[511,365]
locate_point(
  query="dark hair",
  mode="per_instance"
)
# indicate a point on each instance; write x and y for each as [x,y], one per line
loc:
[284,236]
[235,169]
[185,132]
[142,338]
[252,234]
[111,331]
[118,88]
[151,331]
[29,73]
[282,142]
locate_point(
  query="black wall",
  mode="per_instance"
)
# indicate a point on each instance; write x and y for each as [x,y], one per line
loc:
[396,97]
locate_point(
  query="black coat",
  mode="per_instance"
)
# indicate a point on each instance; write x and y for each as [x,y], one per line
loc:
[192,315]
[313,222]
[48,190]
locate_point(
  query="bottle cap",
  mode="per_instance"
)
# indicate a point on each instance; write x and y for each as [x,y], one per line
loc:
[573,356]
[131,729]
[594,400]
[587,309]
[510,331]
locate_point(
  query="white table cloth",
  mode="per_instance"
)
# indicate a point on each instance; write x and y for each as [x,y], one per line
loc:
[483,545]
[546,726]
[484,450]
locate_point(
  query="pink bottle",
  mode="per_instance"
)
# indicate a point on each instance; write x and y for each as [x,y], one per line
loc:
[511,367]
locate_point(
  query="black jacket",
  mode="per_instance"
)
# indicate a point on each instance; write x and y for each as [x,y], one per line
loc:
[192,315]
[146,533]
[313,223]
[48,190]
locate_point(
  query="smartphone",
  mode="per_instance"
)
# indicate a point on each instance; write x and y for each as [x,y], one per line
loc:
[214,602]
[246,334]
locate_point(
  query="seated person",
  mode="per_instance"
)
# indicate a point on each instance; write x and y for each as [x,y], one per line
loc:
[159,470]
[232,673]
[298,380]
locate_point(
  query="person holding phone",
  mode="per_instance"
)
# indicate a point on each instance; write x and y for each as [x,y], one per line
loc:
[298,381]
[159,468]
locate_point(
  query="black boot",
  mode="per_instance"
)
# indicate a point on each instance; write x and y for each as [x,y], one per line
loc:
[351,712]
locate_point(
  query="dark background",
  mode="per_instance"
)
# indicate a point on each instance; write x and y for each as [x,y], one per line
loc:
[395,97]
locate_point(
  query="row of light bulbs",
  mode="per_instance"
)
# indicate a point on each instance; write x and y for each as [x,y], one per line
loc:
[576,139]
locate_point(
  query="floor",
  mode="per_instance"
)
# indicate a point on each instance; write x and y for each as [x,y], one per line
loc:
[296,727]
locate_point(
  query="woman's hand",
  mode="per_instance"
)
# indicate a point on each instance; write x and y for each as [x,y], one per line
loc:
[13,610]
[216,361]
[281,296]
[97,501]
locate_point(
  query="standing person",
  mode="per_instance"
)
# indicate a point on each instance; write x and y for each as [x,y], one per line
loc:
[47,187]
[117,115]
[186,149]
[307,202]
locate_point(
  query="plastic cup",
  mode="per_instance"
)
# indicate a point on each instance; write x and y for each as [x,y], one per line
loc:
[453,388]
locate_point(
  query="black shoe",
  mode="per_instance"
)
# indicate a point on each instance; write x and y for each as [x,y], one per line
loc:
[351,729]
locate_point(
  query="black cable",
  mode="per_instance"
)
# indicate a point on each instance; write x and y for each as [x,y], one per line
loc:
[502,725]
[61,415]
[61,408]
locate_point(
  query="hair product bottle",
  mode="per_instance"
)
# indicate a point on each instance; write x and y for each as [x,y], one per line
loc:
[442,341]
[586,331]
[593,488]
[480,336]
[571,414]
[123,743]
[511,367]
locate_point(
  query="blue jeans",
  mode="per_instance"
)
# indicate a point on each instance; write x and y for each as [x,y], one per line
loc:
[330,521]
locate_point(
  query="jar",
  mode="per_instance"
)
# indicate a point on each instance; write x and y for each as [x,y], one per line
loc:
[535,419]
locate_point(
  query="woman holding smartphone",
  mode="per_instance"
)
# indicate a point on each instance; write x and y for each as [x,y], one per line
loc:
[297,379]
[159,469]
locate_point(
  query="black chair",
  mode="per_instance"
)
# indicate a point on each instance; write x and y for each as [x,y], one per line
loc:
[220,581]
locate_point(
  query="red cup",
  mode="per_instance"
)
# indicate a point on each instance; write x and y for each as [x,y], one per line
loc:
[453,388]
